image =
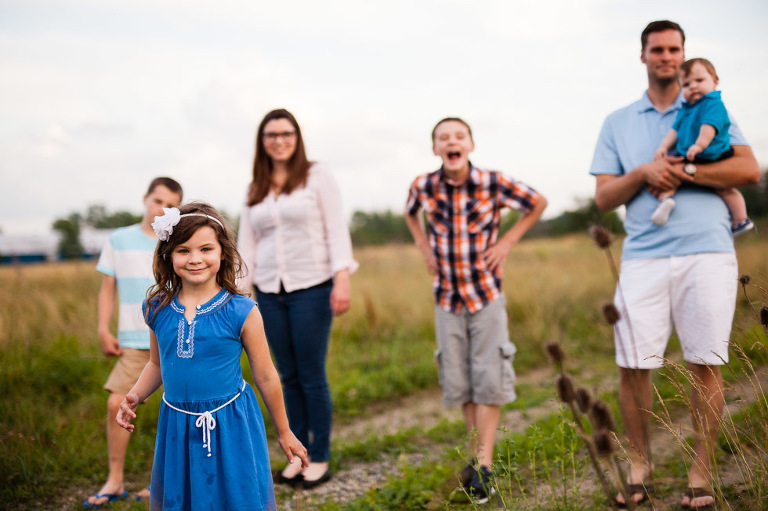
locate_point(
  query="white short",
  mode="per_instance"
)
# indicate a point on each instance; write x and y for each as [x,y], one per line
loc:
[695,293]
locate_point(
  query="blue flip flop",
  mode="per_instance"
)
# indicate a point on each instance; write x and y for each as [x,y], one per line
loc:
[139,498]
[111,497]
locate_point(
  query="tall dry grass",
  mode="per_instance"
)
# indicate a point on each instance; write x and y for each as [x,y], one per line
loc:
[52,407]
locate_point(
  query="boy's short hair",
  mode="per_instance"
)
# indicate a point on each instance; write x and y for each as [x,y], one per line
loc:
[685,68]
[659,26]
[167,182]
[457,119]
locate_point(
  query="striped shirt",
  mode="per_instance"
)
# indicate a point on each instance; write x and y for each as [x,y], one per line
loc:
[127,256]
[463,221]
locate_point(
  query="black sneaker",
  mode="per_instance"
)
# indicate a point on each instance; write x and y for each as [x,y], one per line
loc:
[465,476]
[482,486]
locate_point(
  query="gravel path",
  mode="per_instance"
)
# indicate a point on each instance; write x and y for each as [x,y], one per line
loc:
[425,410]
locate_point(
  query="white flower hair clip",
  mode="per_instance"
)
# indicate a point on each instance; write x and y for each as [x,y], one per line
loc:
[163,225]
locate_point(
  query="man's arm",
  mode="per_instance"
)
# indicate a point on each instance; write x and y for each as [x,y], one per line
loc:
[741,169]
[612,191]
[106,306]
[416,227]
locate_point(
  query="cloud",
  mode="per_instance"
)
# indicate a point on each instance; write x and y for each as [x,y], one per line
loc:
[98,98]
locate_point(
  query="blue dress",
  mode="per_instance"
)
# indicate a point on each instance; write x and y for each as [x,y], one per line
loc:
[216,460]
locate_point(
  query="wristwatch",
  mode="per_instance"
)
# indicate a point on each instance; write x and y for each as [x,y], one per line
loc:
[690,169]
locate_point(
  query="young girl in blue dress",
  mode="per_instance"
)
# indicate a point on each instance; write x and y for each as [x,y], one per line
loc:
[211,450]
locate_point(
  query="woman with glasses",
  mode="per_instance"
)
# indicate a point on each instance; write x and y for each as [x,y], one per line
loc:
[295,241]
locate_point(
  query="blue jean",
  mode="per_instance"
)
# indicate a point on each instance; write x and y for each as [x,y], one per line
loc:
[298,326]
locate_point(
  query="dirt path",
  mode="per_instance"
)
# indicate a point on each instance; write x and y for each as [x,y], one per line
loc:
[425,410]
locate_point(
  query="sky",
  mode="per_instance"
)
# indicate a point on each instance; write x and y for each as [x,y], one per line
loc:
[98,98]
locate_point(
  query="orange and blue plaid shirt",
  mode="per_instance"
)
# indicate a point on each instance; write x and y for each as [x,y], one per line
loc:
[462,222]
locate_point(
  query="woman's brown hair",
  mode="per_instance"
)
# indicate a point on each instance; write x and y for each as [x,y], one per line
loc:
[167,283]
[298,165]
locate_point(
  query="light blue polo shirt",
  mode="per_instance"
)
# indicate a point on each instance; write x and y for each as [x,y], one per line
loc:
[700,222]
[127,256]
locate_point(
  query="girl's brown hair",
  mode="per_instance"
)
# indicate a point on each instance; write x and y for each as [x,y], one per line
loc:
[298,165]
[167,282]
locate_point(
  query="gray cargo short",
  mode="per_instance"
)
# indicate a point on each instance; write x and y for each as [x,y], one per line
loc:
[474,355]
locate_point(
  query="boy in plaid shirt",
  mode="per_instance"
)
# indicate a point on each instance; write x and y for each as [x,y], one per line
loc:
[463,211]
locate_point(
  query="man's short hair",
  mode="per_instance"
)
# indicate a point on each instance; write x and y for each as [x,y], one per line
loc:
[167,182]
[457,119]
[659,26]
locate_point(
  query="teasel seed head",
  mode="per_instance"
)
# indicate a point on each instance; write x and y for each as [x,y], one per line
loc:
[555,352]
[565,389]
[764,315]
[600,235]
[601,416]
[603,442]
[583,399]
[611,313]
[744,279]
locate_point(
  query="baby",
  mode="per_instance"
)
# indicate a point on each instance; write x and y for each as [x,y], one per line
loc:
[700,133]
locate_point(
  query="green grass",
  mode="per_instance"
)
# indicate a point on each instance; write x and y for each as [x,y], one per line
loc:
[53,407]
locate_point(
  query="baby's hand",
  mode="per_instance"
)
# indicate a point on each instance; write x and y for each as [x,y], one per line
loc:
[127,411]
[693,151]
[660,153]
[291,446]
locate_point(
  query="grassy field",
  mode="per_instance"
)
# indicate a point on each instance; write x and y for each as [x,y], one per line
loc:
[52,405]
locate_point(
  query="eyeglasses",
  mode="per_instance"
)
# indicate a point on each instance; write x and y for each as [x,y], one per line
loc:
[285,135]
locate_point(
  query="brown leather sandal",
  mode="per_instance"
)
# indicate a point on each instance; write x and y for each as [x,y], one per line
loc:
[695,493]
[634,489]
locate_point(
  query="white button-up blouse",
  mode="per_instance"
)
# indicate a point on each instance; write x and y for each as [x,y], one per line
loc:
[301,238]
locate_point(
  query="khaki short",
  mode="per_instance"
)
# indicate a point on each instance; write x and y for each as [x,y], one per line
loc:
[127,370]
[474,355]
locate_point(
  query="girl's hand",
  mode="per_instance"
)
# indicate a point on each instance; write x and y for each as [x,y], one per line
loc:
[660,153]
[127,411]
[292,447]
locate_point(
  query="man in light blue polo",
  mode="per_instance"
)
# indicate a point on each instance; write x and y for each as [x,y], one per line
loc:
[680,274]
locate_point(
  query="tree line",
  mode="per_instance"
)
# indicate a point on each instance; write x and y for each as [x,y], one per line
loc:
[380,228]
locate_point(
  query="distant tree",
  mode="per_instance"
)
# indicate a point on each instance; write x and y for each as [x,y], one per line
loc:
[96,216]
[508,219]
[579,220]
[69,244]
[121,219]
[756,197]
[378,228]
